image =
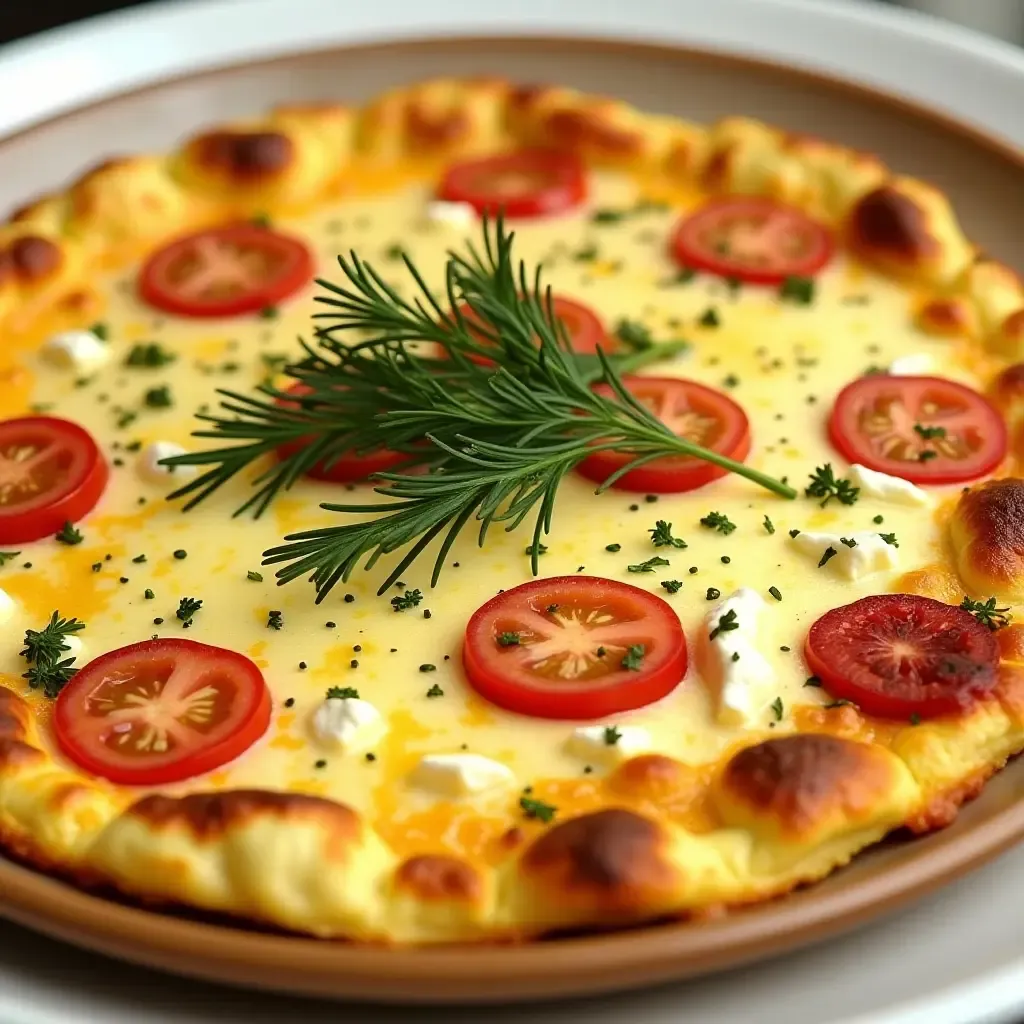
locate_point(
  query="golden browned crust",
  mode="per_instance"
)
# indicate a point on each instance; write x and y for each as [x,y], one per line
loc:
[613,861]
[434,877]
[804,787]
[652,776]
[947,317]
[987,535]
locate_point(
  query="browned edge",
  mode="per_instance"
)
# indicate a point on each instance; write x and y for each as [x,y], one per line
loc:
[565,967]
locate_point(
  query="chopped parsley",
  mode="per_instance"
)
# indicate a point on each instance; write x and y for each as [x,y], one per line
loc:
[427,667]
[541,549]
[726,623]
[613,548]
[508,639]
[890,538]
[712,594]
[253,576]
[187,607]
[410,599]
[718,521]
[150,354]
[611,735]
[926,455]
[100,330]
[158,398]
[649,566]
[769,526]
[776,707]
[7,556]
[148,594]
[435,691]
[672,586]
[709,318]
[633,659]
[799,290]
[342,693]
[394,252]
[878,520]
[987,613]
[826,485]
[538,809]
[68,534]
[44,648]
[269,313]
[634,333]
[661,536]
[829,552]
[929,433]
[812,681]
[848,542]
[775,592]
[274,620]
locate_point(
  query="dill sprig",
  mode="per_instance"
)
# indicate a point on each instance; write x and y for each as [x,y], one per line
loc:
[492,426]
[44,648]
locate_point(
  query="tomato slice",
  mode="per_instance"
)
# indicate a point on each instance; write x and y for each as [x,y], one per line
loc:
[161,711]
[925,429]
[554,668]
[750,239]
[345,468]
[901,655]
[51,472]
[527,183]
[225,271]
[693,411]
[583,327]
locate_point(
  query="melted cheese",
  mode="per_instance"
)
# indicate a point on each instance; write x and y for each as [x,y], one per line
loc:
[783,363]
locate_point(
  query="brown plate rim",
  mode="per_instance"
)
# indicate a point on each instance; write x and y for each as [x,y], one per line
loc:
[562,967]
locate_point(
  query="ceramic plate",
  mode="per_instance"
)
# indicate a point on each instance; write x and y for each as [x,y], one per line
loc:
[983,175]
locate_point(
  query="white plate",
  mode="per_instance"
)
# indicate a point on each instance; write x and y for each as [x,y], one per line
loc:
[957,957]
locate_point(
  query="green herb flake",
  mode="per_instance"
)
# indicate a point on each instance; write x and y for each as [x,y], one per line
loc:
[540,549]
[275,620]
[101,331]
[929,433]
[829,552]
[410,599]
[718,521]
[611,735]
[777,708]
[7,556]
[825,485]
[158,398]
[69,535]
[726,623]
[661,536]
[613,548]
[769,526]
[672,586]
[149,355]
[543,812]
[633,659]
[813,681]
[649,566]
[710,318]
[148,594]
[253,576]
[508,639]
[634,333]
[269,313]
[435,691]
[890,538]
[775,592]
[987,613]
[798,290]
[187,608]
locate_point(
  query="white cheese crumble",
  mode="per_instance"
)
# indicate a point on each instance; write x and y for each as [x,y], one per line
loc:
[895,489]
[8,606]
[914,365]
[347,723]
[608,744]
[149,468]
[869,553]
[455,775]
[738,674]
[75,350]
[452,215]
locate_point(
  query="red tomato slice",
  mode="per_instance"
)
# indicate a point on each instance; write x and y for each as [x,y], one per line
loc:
[527,183]
[554,669]
[874,422]
[898,655]
[225,271]
[346,468]
[161,711]
[693,411]
[583,327]
[750,239]
[51,472]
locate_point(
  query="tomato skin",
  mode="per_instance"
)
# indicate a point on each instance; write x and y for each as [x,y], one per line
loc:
[347,468]
[68,500]
[548,181]
[947,659]
[585,331]
[977,422]
[676,473]
[780,225]
[293,270]
[79,734]
[496,674]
